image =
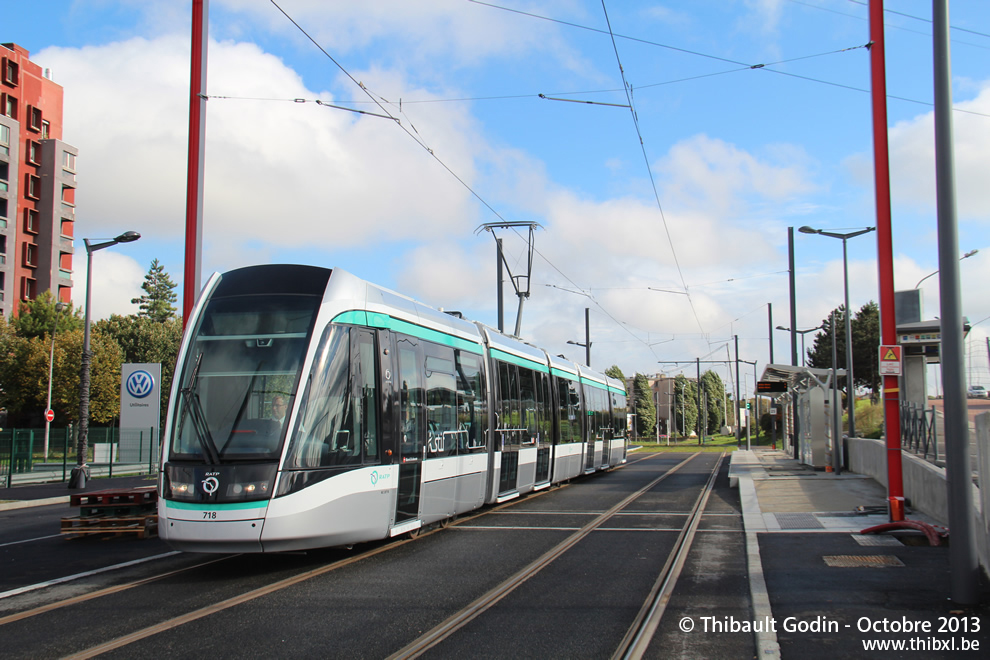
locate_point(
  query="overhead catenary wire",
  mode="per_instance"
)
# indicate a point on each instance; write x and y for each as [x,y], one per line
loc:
[646,159]
[381,102]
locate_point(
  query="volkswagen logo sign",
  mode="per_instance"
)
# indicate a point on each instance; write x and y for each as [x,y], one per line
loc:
[140,384]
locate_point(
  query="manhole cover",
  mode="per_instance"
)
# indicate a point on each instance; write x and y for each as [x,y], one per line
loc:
[869,539]
[860,561]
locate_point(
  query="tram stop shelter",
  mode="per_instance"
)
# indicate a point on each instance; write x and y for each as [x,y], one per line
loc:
[808,396]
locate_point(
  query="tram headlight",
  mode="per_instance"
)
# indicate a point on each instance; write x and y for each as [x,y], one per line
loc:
[182,491]
[249,490]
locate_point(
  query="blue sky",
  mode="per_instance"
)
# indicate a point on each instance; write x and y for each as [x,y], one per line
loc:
[691,193]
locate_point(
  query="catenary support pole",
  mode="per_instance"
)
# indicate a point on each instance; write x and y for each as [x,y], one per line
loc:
[195,167]
[963,560]
[885,260]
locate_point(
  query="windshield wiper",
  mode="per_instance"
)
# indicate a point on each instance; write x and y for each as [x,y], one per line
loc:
[195,408]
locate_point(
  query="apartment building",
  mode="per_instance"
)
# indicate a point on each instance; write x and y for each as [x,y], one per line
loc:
[37,184]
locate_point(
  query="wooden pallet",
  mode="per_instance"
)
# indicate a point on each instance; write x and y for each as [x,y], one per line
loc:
[143,526]
[141,496]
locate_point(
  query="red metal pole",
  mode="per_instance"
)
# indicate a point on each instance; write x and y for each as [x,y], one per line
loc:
[885,260]
[194,176]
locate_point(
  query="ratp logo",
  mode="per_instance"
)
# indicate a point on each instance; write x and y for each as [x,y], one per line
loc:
[140,384]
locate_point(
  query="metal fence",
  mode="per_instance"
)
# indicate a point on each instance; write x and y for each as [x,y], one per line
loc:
[23,458]
[919,430]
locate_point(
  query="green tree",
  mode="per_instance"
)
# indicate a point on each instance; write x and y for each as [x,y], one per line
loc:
[646,409]
[36,318]
[616,373]
[159,294]
[865,326]
[715,397]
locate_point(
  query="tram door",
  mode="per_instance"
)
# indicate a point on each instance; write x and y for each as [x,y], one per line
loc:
[412,416]
[508,436]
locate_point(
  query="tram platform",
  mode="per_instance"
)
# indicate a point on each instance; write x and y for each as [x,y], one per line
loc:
[812,567]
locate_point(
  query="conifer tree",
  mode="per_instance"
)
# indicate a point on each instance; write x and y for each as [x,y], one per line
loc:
[159,294]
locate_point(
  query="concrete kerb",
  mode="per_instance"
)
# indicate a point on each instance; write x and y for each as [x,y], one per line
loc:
[743,467]
[27,504]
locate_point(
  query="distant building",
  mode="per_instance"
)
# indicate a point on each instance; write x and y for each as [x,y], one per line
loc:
[37,184]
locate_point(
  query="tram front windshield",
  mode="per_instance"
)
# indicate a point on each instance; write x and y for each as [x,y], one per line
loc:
[239,378]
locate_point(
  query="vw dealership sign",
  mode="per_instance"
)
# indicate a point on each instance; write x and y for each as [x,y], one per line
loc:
[140,396]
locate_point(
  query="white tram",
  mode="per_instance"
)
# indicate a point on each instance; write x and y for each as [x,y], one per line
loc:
[396,416]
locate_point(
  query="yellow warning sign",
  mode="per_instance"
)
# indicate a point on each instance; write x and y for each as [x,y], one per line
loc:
[890,360]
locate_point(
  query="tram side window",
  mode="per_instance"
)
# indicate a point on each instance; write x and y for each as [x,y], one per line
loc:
[544,407]
[472,410]
[412,400]
[441,404]
[618,415]
[529,405]
[338,422]
[598,412]
[569,411]
[510,423]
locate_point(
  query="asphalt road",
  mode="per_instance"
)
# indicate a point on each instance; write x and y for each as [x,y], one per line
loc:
[307,604]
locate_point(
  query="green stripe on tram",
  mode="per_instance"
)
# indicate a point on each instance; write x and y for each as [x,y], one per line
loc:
[384,321]
[564,374]
[519,361]
[209,506]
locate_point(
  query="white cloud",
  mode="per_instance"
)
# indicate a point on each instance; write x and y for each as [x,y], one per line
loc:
[117,279]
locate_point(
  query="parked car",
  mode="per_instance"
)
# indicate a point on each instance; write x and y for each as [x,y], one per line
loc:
[978,392]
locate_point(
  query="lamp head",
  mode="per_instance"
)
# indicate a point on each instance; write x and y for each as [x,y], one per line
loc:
[809,230]
[127,237]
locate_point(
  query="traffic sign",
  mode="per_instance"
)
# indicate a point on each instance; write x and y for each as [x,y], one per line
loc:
[890,360]
[50,415]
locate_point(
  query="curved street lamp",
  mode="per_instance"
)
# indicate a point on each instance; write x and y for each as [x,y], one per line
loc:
[965,256]
[850,383]
[81,472]
[804,353]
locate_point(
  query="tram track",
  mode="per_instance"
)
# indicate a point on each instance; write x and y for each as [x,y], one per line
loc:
[637,639]
[424,642]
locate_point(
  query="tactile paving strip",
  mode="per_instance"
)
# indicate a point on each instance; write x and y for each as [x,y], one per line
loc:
[798,521]
[861,561]
[870,539]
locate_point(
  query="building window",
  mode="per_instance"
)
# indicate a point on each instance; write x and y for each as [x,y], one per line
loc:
[34,118]
[4,140]
[33,152]
[66,228]
[4,176]
[68,161]
[29,287]
[10,72]
[3,212]
[8,106]
[33,186]
[45,126]
[30,255]
[32,221]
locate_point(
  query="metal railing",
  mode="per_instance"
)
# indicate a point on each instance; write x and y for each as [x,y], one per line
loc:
[918,430]
[23,458]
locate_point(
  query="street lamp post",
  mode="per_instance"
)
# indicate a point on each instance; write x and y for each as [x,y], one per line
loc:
[804,353]
[51,366]
[81,472]
[850,383]
[965,256]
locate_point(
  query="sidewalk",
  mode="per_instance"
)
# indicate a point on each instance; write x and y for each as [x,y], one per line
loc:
[810,565]
[58,492]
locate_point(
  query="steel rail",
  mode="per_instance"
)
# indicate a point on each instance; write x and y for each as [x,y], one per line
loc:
[457,621]
[633,646]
